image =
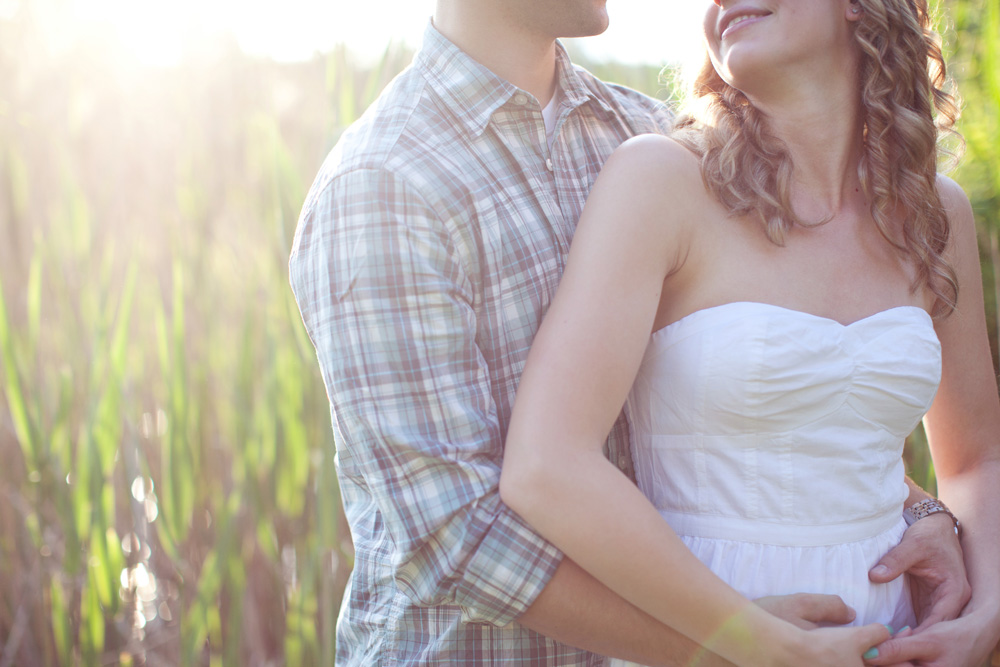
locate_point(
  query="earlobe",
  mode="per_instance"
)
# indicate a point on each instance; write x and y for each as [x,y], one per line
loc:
[854,11]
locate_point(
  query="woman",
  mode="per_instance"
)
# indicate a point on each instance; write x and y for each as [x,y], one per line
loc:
[813,289]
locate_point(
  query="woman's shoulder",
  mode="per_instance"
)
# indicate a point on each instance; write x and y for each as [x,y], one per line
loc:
[953,197]
[655,167]
[956,205]
[648,199]
[655,151]
[962,248]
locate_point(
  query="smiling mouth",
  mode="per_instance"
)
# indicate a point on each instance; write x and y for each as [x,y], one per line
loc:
[740,20]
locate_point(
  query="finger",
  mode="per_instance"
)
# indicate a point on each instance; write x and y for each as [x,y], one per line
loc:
[914,648]
[826,609]
[871,637]
[898,560]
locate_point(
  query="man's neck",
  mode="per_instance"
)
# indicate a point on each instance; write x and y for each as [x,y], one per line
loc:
[527,60]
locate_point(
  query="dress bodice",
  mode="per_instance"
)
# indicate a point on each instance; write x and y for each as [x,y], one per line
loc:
[748,419]
[771,441]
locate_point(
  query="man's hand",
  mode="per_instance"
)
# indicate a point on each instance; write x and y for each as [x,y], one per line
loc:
[932,557]
[961,642]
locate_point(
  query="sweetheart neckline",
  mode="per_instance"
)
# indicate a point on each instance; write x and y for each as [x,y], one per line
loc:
[792,311]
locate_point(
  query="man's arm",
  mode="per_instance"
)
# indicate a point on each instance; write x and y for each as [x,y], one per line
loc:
[387,300]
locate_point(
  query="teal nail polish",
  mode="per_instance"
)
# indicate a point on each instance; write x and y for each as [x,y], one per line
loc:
[870,654]
[889,628]
[903,629]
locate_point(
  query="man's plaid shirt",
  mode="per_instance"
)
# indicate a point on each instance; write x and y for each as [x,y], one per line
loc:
[428,249]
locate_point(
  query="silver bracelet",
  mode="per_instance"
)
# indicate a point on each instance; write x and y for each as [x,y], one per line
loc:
[925,508]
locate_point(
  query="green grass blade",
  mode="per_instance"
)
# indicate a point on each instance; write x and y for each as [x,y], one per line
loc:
[25,428]
[60,618]
[91,625]
[34,303]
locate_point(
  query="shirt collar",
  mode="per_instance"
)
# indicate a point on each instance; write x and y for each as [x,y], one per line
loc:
[466,85]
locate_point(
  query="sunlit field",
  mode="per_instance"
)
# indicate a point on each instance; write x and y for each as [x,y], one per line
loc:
[167,490]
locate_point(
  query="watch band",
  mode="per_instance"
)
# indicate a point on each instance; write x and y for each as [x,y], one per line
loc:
[925,508]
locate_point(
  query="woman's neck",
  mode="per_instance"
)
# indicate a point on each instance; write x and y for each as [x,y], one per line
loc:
[822,129]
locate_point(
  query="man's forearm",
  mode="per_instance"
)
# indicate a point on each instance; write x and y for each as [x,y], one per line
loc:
[578,610]
[916,493]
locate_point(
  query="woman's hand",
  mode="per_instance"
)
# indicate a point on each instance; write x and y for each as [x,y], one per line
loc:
[838,647]
[808,610]
[754,639]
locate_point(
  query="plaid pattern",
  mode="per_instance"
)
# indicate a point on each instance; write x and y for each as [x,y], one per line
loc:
[427,252]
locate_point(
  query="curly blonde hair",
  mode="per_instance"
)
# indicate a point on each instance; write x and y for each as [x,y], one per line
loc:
[905,111]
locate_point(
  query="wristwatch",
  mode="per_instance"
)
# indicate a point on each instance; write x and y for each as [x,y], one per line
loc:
[925,508]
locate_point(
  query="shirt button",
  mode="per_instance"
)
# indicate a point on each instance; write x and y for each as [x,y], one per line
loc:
[520,99]
[622,462]
[548,163]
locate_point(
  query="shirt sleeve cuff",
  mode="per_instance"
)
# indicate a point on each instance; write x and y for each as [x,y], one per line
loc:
[507,572]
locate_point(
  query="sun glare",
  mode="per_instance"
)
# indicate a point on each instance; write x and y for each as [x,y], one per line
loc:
[153,33]
[161,34]
[8,8]
[642,31]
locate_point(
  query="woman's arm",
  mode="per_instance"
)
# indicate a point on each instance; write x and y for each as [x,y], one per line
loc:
[633,234]
[963,425]
[963,430]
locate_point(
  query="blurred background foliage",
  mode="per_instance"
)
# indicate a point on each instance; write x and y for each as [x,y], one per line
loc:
[167,492]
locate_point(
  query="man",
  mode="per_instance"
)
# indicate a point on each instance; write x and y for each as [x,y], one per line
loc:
[427,252]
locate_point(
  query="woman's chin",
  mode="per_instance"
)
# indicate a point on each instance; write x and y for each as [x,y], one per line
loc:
[748,69]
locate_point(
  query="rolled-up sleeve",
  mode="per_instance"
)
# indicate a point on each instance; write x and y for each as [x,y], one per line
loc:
[387,298]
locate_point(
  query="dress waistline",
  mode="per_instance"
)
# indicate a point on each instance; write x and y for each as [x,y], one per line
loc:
[780,534]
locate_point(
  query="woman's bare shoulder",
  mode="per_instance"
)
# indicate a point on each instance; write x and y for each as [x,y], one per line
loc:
[953,197]
[646,200]
[656,152]
[656,170]
[959,211]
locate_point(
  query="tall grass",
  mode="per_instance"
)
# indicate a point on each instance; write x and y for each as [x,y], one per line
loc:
[167,493]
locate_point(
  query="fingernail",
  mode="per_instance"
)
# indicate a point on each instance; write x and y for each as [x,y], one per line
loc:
[889,628]
[870,654]
[880,570]
[903,629]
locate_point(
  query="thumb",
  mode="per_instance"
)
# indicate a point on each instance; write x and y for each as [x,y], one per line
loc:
[899,559]
[870,636]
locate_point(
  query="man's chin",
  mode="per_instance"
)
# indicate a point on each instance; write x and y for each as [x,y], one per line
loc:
[592,29]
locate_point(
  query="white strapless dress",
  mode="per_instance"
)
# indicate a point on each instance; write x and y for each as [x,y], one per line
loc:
[771,441]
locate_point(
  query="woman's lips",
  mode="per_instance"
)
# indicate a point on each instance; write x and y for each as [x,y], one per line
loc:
[741,19]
